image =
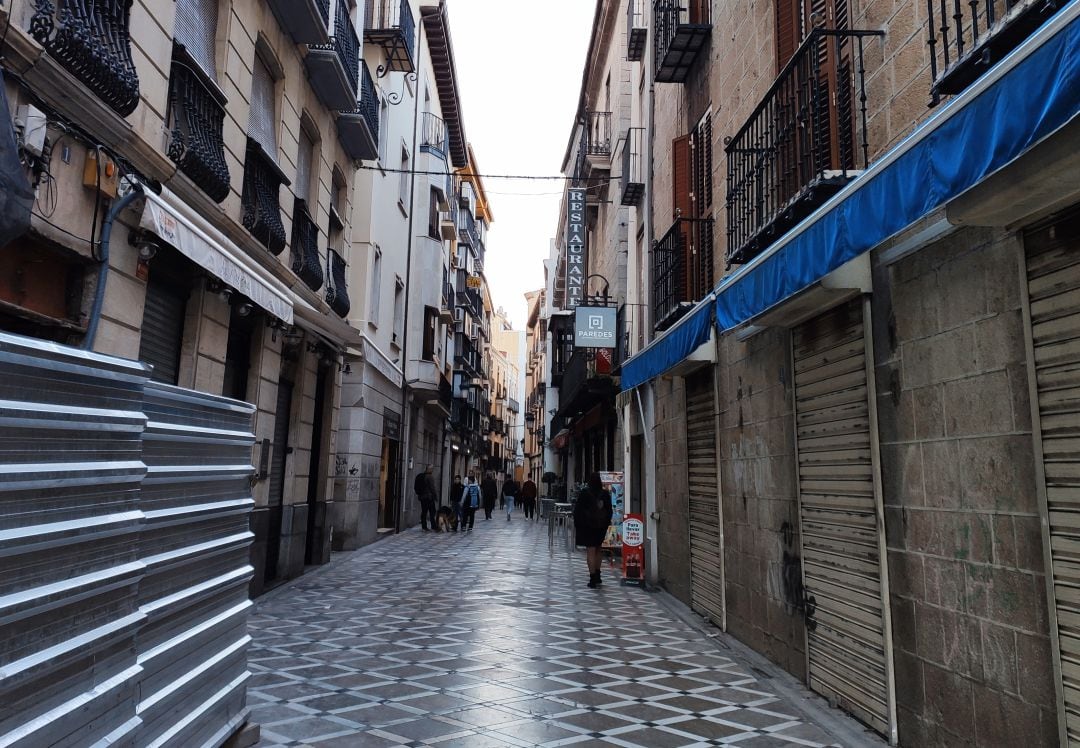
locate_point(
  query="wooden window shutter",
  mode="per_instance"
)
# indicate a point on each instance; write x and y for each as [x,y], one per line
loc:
[699,11]
[789,25]
[681,204]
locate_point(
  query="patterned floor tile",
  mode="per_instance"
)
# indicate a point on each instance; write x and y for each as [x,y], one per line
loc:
[371,651]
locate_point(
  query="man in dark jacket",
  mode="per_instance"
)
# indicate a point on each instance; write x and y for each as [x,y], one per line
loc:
[424,485]
[490,491]
[510,490]
[528,498]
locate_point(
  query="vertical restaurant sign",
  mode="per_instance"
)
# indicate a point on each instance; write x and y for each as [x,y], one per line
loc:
[575,246]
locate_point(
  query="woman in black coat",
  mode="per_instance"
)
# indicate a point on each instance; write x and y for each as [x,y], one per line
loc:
[592,516]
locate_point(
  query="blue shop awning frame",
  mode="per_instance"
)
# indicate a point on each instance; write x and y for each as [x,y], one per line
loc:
[1025,98]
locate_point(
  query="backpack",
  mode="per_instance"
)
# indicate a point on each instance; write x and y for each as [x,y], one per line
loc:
[474,496]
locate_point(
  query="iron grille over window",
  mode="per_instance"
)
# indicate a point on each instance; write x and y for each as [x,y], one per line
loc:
[196,118]
[803,142]
[262,210]
[306,262]
[337,294]
[90,39]
[681,269]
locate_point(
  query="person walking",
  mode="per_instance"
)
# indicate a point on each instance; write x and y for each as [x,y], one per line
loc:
[490,492]
[592,516]
[470,502]
[455,501]
[510,492]
[424,485]
[528,498]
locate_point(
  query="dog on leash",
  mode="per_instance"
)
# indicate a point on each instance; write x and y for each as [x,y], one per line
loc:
[446,519]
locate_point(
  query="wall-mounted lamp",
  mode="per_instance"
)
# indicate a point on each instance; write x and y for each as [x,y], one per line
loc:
[245,309]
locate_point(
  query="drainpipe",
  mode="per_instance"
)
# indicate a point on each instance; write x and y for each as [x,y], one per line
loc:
[103,274]
[406,398]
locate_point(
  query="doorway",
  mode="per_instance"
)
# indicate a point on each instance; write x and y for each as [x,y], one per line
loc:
[277,478]
[316,530]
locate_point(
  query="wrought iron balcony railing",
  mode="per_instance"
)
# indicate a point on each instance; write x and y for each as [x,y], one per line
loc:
[334,68]
[967,37]
[637,30]
[681,29]
[633,166]
[682,269]
[391,25]
[262,209]
[90,39]
[467,228]
[306,262]
[433,135]
[337,292]
[802,144]
[306,21]
[196,118]
[358,130]
[597,134]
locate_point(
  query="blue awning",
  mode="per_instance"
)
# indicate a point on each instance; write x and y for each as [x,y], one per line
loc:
[1024,98]
[1030,94]
[675,345]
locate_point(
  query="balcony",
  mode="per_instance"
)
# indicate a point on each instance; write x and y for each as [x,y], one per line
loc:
[682,269]
[596,140]
[306,21]
[90,39]
[337,293]
[466,226]
[633,166]
[587,381]
[637,30]
[334,68]
[802,144]
[470,301]
[622,340]
[681,30]
[562,348]
[467,358]
[358,130]
[196,118]
[390,24]
[260,203]
[433,137]
[968,38]
[446,393]
[306,262]
[446,308]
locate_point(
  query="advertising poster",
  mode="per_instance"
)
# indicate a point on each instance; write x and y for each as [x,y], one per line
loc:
[613,483]
[633,551]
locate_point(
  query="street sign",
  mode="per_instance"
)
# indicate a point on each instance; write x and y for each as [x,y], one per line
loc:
[474,281]
[595,327]
[575,246]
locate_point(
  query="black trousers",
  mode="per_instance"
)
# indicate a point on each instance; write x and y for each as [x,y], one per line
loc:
[529,505]
[468,517]
[427,510]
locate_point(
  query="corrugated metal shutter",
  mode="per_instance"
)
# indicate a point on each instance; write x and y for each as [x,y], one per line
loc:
[262,124]
[706,571]
[1053,274]
[196,30]
[163,330]
[840,517]
[303,168]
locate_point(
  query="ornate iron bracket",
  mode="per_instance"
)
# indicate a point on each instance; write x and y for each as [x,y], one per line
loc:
[394,98]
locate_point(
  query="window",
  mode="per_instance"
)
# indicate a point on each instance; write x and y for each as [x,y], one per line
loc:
[431,330]
[376,287]
[404,181]
[433,215]
[262,119]
[262,177]
[384,128]
[196,32]
[336,228]
[305,157]
[399,310]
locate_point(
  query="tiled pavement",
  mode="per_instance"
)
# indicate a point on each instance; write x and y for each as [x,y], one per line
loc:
[490,639]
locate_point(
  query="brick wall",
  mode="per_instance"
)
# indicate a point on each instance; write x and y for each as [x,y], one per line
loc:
[760,510]
[973,663]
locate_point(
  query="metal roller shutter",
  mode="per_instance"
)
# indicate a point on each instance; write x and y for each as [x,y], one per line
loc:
[706,570]
[163,330]
[841,526]
[1053,284]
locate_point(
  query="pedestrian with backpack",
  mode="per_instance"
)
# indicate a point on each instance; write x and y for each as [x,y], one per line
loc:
[470,502]
[592,516]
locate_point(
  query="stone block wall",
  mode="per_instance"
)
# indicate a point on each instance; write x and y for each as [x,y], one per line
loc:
[759,490]
[672,490]
[969,607]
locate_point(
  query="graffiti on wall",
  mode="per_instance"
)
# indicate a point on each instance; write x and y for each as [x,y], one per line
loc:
[796,599]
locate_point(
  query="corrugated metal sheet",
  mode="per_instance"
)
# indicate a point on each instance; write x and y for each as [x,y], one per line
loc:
[838,509]
[1053,273]
[706,571]
[123,553]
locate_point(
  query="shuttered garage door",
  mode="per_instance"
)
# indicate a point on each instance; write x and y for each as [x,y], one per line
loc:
[839,516]
[706,576]
[1053,272]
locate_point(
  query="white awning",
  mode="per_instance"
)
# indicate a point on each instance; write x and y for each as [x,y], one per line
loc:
[336,330]
[167,217]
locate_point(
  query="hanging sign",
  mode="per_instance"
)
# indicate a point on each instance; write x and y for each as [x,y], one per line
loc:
[474,281]
[633,548]
[575,246]
[594,327]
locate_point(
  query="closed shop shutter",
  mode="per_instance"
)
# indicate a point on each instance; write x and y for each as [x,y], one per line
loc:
[281,442]
[1053,275]
[163,330]
[706,570]
[841,524]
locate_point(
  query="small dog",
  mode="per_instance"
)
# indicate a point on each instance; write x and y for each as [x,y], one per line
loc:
[446,519]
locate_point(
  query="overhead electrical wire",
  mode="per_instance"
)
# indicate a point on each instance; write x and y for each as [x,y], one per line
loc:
[533,177]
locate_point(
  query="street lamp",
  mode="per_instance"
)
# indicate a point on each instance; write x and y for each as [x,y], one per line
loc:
[530,419]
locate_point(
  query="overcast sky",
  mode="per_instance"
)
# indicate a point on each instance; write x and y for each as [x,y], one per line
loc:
[519,69]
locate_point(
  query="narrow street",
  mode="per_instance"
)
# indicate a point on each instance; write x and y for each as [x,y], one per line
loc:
[492,639]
